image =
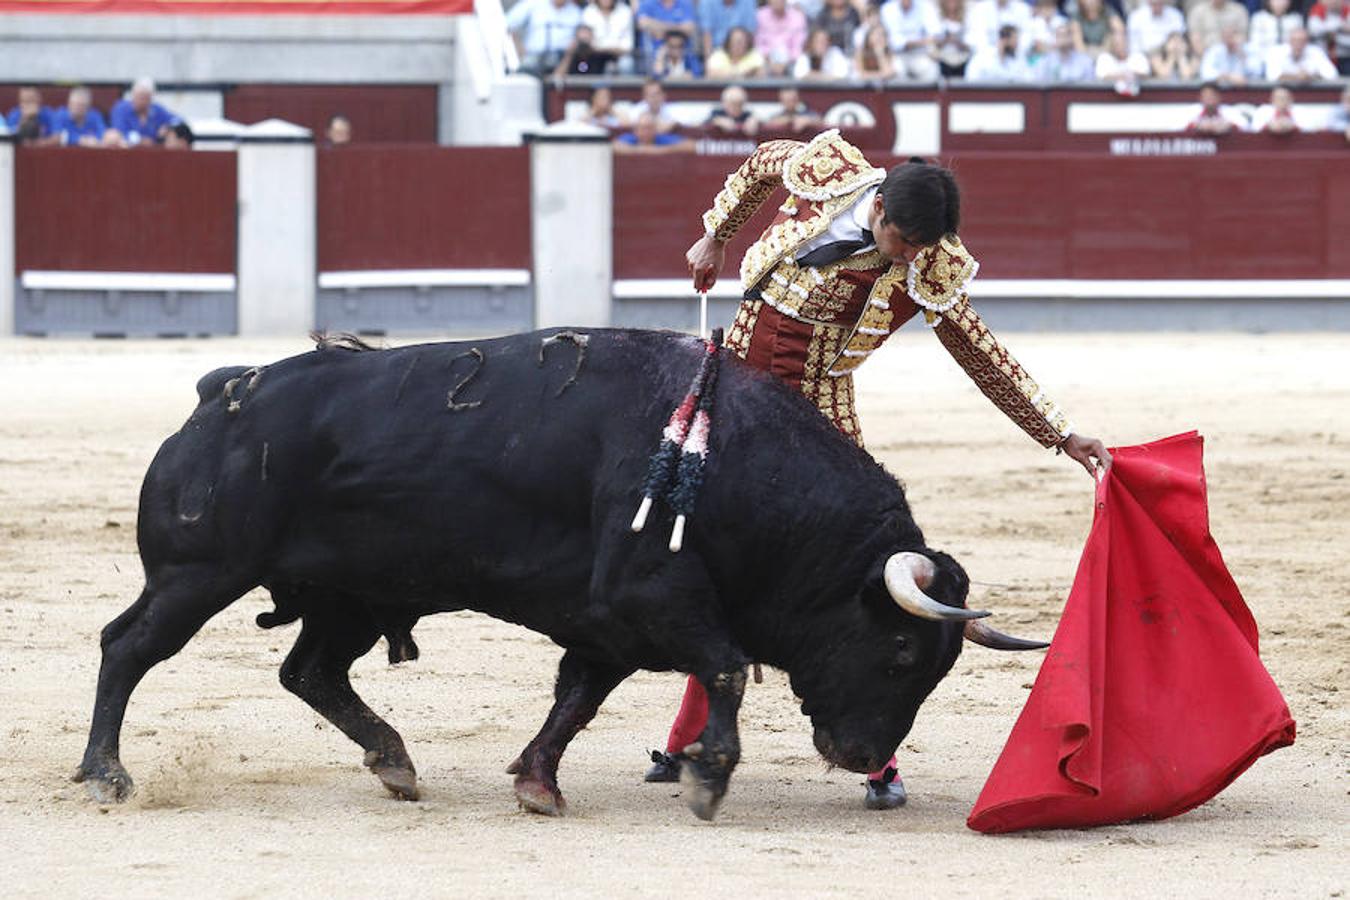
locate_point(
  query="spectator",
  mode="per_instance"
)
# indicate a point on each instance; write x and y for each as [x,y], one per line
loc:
[794,115]
[873,60]
[1093,23]
[988,16]
[1228,61]
[1277,116]
[1329,25]
[140,120]
[1150,25]
[178,136]
[548,27]
[582,57]
[733,116]
[611,25]
[601,113]
[716,19]
[737,58]
[821,60]
[1339,119]
[339,132]
[654,101]
[871,16]
[780,35]
[1040,35]
[1298,62]
[1212,117]
[912,26]
[951,45]
[33,122]
[78,123]
[646,137]
[1121,66]
[674,61]
[1271,27]
[658,18]
[1065,63]
[840,19]
[1001,63]
[1207,20]
[1174,61]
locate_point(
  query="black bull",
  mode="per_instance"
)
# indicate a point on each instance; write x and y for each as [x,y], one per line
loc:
[367,489]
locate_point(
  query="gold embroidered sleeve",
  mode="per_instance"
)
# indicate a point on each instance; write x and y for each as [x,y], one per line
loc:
[999,376]
[747,188]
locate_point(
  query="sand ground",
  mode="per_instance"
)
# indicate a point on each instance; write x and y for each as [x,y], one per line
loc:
[244,792]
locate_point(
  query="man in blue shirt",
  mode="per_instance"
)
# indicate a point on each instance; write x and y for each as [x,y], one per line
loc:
[717,17]
[78,123]
[140,120]
[548,26]
[657,18]
[645,138]
[30,119]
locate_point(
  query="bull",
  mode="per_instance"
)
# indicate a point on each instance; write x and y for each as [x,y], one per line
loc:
[365,489]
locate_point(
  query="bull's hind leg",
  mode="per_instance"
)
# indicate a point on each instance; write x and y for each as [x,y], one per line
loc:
[582,686]
[176,602]
[316,671]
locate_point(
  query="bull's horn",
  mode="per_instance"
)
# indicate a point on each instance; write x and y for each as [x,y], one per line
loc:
[982,634]
[902,570]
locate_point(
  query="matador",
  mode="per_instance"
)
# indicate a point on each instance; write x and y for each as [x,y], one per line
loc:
[854,253]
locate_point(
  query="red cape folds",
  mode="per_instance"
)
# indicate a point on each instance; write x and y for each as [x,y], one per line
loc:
[1151,698]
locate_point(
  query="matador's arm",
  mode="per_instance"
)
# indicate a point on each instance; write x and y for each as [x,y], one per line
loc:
[747,188]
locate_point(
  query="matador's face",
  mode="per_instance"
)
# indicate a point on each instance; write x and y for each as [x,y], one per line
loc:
[891,241]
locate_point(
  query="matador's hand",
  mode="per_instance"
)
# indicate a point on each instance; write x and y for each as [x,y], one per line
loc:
[1088,452]
[705,261]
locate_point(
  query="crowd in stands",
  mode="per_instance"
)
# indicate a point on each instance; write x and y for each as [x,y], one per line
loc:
[134,121]
[1121,42]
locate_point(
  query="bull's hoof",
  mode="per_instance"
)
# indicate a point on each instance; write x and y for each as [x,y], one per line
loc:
[702,796]
[399,779]
[885,795]
[108,784]
[535,796]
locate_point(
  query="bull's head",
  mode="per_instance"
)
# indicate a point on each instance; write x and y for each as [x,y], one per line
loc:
[886,653]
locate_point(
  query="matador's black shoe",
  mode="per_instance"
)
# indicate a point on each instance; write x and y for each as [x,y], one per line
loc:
[665,767]
[888,792]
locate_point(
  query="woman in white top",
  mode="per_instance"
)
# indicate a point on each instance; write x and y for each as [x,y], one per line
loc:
[951,48]
[611,23]
[1271,26]
[1117,64]
[821,60]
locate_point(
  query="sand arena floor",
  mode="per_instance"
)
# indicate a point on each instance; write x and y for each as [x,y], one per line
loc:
[244,792]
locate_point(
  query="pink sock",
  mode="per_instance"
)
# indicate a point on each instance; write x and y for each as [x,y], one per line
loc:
[691,719]
[881,774]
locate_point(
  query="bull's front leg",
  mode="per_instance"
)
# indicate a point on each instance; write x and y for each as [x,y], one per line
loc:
[710,760]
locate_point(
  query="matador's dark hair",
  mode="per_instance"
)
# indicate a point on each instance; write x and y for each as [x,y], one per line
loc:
[922,200]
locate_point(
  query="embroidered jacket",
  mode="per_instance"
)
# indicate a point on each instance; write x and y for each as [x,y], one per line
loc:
[812,326]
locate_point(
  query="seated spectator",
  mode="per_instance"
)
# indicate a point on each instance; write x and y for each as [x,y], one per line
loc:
[717,18]
[1213,117]
[737,58]
[912,26]
[1093,23]
[873,60]
[1271,27]
[542,29]
[1040,35]
[1065,63]
[611,25]
[1329,25]
[871,17]
[582,57]
[951,43]
[821,60]
[988,16]
[139,119]
[1174,61]
[674,61]
[1150,25]
[1001,63]
[733,116]
[780,35]
[1228,61]
[1207,20]
[795,115]
[654,101]
[1339,120]
[656,19]
[179,136]
[1121,66]
[1299,61]
[601,113]
[646,137]
[339,131]
[1277,116]
[840,19]
[78,124]
[30,120]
